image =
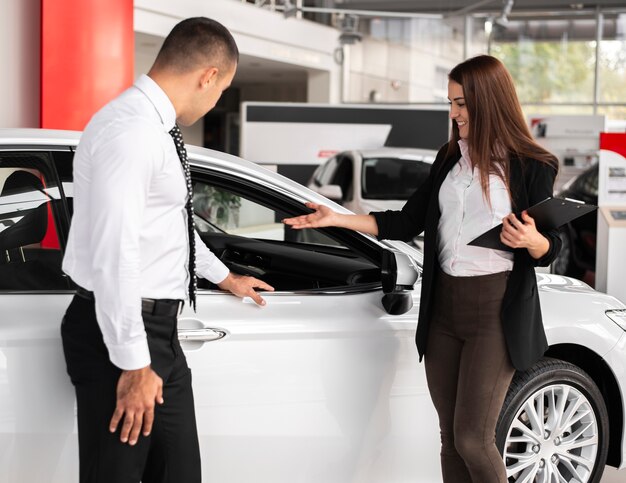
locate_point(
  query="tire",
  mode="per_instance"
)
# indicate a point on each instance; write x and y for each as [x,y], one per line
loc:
[553,388]
[564,264]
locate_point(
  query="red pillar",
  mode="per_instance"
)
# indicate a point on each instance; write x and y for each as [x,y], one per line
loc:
[87,58]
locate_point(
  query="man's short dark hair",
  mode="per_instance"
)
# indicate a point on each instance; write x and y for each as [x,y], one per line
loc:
[197,42]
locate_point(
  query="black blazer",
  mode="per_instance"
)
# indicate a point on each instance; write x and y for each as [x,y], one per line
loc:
[531,182]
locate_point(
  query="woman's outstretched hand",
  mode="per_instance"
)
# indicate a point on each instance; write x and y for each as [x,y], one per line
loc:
[321,217]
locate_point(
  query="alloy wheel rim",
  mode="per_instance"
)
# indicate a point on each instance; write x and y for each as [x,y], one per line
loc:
[553,438]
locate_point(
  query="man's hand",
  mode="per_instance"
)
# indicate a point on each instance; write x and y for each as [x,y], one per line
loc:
[243,286]
[137,392]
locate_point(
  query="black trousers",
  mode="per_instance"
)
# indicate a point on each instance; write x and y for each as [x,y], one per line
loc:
[469,372]
[171,453]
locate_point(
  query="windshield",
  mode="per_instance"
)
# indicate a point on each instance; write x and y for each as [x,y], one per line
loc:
[392,178]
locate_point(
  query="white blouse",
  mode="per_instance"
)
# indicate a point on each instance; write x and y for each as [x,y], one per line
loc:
[465,214]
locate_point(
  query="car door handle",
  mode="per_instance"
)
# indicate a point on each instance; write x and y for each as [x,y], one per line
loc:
[200,335]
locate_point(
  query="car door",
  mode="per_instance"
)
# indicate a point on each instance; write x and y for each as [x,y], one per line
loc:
[321,384]
[36,399]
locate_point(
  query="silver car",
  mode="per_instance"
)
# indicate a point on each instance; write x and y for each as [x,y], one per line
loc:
[373,179]
[320,385]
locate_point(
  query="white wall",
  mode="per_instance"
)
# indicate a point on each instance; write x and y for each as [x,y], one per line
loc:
[19,57]
[258,32]
[413,68]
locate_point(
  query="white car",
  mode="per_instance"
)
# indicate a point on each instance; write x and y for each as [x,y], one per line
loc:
[323,384]
[373,179]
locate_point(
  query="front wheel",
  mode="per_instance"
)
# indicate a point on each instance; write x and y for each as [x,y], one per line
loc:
[553,426]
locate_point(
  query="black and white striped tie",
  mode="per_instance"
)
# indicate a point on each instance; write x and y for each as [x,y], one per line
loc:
[191,226]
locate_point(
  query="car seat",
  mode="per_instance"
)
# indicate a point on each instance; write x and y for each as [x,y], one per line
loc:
[22,266]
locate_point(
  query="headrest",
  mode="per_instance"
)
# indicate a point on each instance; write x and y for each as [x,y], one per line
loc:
[21,182]
[31,228]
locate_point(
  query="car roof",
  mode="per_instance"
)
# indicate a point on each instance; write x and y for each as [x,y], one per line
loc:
[402,153]
[201,157]
[47,137]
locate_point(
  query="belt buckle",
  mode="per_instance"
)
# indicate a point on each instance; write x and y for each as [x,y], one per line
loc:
[148,306]
[158,307]
[84,293]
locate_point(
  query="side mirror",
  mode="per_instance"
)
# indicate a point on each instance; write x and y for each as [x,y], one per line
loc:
[331,191]
[398,272]
[397,303]
[398,275]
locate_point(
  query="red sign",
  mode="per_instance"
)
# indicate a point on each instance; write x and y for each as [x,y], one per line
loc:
[326,153]
[613,141]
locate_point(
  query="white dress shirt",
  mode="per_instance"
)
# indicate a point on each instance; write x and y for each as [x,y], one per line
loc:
[128,237]
[465,214]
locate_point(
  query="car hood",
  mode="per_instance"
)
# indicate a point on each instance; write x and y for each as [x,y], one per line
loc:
[557,284]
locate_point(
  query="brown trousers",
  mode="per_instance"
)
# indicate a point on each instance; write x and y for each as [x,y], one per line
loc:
[469,372]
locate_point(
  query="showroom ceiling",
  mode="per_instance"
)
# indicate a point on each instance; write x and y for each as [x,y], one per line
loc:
[475,6]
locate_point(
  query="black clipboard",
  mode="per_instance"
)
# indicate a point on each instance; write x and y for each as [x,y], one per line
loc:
[548,214]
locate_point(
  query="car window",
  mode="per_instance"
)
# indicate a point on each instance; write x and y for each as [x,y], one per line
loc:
[218,209]
[30,214]
[317,174]
[392,178]
[327,172]
[342,176]
[242,226]
[63,166]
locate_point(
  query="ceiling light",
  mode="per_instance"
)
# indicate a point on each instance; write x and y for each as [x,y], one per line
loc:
[502,21]
[488,26]
[349,30]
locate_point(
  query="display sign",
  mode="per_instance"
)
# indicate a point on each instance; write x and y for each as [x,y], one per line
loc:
[292,143]
[307,134]
[298,137]
[612,170]
[563,126]
[572,139]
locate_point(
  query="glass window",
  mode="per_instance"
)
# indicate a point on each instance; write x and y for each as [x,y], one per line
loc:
[615,116]
[30,210]
[327,171]
[612,61]
[219,210]
[551,60]
[392,178]
[241,224]
[63,166]
[544,110]
[343,176]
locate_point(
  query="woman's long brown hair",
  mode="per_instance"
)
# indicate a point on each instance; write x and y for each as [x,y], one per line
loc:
[497,128]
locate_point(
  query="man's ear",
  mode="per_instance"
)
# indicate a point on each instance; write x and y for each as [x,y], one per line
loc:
[208,77]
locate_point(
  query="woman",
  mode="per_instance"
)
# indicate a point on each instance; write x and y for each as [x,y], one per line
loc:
[479,316]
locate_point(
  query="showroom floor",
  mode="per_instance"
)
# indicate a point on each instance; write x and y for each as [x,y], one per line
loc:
[611,475]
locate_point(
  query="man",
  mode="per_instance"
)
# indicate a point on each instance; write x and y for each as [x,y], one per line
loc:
[133,252]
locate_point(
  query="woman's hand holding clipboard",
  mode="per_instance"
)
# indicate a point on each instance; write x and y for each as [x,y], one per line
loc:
[548,214]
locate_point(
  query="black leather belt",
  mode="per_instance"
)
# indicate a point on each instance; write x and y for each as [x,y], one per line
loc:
[162,307]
